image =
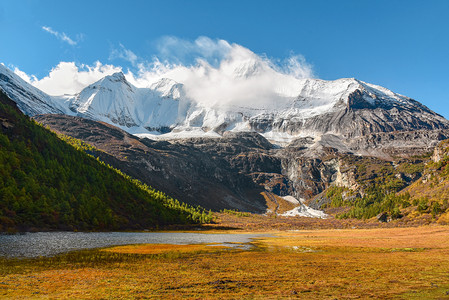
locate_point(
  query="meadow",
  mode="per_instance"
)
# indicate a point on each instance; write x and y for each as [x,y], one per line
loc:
[381,263]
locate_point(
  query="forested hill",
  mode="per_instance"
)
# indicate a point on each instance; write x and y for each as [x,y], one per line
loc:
[47,184]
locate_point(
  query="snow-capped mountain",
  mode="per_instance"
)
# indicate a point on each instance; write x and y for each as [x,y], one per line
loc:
[298,107]
[114,100]
[323,126]
[29,99]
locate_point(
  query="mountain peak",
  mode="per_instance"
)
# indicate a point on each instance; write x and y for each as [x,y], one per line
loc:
[168,88]
[163,82]
[111,82]
[117,76]
[247,68]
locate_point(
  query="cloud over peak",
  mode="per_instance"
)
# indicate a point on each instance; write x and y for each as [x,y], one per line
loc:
[214,72]
[186,52]
[68,78]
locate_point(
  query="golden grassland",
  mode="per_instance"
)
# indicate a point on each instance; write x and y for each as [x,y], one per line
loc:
[263,223]
[164,248]
[381,263]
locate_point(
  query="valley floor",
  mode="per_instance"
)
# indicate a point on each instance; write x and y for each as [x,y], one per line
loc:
[381,263]
[262,223]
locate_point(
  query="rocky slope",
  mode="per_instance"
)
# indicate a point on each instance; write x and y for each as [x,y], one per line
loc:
[411,191]
[429,195]
[235,170]
[180,170]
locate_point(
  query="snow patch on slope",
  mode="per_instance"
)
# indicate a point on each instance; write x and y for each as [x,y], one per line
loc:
[302,210]
[184,134]
[291,199]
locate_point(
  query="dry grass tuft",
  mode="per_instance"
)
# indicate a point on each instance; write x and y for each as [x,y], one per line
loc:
[164,248]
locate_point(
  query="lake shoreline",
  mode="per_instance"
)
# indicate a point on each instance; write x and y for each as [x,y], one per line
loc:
[53,243]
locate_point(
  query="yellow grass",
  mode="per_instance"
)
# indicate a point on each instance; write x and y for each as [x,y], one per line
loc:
[431,237]
[404,263]
[163,248]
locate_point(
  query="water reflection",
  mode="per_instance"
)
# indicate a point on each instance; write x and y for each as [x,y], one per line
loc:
[51,243]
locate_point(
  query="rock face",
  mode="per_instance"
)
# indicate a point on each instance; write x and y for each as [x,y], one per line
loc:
[440,152]
[383,217]
[231,171]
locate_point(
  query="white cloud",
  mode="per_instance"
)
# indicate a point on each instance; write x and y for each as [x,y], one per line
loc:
[214,73]
[68,78]
[24,75]
[297,66]
[123,53]
[62,36]
[225,74]
[181,51]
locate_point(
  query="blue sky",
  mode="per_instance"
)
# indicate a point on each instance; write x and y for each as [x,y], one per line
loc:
[402,45]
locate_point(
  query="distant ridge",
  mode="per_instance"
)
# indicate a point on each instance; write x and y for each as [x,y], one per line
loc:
[345,107]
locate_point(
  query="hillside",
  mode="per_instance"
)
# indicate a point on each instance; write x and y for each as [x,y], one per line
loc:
[191,175]
[430,194]
[46,184]
[410,190]
[234,171]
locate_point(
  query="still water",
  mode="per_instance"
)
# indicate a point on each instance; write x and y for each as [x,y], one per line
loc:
[52,243]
